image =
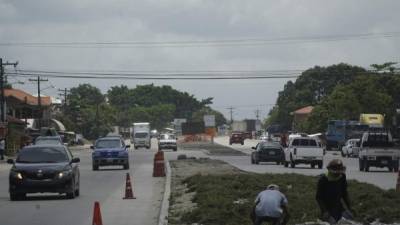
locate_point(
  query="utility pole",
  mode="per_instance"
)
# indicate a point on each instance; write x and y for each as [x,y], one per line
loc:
[2,81]
[231,112]
[64,93]
[257,114]
[38,80]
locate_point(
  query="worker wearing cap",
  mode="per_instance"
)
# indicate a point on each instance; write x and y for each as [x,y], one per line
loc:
[270,206]
[331,191]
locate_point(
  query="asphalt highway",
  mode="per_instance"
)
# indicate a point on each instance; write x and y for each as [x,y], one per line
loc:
[106,186]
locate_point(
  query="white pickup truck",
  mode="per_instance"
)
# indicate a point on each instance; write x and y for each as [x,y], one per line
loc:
[305,150]
[378,150]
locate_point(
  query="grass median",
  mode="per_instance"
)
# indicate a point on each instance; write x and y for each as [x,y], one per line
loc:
[228,198]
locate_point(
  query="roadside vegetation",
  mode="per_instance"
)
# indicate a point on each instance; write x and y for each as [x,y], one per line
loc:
[339,91]
[93,114]
[229,197]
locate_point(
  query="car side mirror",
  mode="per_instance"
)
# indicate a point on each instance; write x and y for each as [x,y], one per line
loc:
[75,160]
[128,146]
[253,148]
[10,161]
[91,147]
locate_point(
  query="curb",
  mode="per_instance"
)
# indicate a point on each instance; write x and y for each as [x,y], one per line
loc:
[163,217]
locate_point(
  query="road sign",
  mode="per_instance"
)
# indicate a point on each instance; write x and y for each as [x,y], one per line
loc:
[209,120]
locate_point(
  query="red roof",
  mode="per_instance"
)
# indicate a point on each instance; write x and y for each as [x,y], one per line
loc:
[305,110]
[30,99]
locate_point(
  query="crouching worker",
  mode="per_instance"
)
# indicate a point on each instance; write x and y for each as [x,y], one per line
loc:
[270,206]
[332,191]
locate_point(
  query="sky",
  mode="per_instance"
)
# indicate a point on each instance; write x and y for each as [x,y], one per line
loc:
[89,21]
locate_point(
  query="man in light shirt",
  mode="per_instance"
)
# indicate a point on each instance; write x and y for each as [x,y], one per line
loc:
[271,206]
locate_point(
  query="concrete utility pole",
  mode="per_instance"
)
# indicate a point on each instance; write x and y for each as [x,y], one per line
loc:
[38,80]
[2,97]
[231,112]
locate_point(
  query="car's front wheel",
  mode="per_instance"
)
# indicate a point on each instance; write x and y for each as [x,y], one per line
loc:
[17,196]
[95,167]
[126,166]
[71,194]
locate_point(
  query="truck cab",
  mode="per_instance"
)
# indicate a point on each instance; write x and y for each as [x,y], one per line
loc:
[304,150]
[378,150]
[141,136]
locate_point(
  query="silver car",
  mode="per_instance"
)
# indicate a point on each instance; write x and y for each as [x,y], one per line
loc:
[351,148]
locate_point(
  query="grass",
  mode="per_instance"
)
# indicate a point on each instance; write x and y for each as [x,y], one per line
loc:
[216,196]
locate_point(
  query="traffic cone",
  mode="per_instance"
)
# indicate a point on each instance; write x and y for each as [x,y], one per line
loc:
[97,214]
[158,167]
[128,188]
[398,182]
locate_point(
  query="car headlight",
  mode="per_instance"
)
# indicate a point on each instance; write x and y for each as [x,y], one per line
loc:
[123,153]
[18,176]
[64,173]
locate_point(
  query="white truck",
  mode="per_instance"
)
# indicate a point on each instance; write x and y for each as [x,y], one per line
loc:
[140,137]
[377,149]
[304,150]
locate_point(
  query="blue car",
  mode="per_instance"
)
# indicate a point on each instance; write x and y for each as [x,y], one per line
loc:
[110,151]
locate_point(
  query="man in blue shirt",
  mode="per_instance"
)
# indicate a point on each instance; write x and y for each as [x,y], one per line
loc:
[270,206]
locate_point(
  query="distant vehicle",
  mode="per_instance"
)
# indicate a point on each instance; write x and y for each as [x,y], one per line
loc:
[304,150]
[48,140]
[110,151]
[263,137]
[267,152]
[44,168]
[373,120]
[140,136]
[378,150]
[339,131]
[351,148]
[154,133]
[236,138]
[167,141]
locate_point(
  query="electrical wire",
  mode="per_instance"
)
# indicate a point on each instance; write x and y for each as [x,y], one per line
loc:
[206,43]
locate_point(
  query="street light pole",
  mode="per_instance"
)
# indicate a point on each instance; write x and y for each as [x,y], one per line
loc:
[39,99]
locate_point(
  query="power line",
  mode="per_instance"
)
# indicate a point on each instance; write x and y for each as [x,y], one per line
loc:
[206,43]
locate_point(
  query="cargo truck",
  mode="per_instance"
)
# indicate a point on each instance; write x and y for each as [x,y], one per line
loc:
[140,136]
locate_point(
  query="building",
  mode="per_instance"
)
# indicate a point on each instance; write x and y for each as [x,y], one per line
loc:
[301,115]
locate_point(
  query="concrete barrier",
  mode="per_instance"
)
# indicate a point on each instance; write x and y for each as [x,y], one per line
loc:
[163,217]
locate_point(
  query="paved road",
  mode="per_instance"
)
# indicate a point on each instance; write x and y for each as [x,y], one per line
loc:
[106,186]
[379,177]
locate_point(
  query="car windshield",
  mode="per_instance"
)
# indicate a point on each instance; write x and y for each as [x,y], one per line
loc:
[140,135]
[167,137]
[108,144]
[42,155]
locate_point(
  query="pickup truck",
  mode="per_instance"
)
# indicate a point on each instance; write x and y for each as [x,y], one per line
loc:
[378,150]
[167,141]
[304,150]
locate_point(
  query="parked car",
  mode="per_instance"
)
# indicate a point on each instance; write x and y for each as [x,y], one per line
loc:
[48,140]
[236,138]
[351,148]
[167,141]
[304,150]
[267,152]
[44,168]
[110,151]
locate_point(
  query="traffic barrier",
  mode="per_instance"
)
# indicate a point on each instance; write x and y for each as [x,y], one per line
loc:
[398,182]
[159,167]
[128,188]
[97,214]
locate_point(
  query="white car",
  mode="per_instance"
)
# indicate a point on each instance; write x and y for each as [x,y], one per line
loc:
[167,141]
[351,148]
[304,150]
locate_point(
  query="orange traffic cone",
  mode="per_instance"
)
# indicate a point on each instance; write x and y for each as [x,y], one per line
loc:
[398,182]
[158,167]
[97,214]
[128,188]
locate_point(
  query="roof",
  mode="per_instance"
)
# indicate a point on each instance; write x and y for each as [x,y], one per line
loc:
[30,99]
[305,110]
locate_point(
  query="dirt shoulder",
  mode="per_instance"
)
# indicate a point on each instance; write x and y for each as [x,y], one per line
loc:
[211,148]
